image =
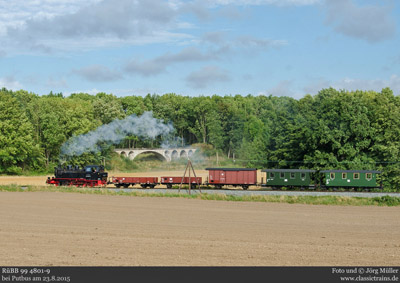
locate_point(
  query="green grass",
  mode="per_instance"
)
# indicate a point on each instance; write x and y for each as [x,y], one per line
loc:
[314,200]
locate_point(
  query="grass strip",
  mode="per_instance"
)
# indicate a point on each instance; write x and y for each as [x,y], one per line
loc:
[314,200]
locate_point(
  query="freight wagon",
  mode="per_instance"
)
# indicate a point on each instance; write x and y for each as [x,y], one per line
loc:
[170,181]
[237,177]
[144,182]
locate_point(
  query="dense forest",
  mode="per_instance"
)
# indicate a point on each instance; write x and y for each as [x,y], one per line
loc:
[331,129]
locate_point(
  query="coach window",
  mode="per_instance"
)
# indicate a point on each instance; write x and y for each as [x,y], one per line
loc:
[303,175]
[344,175]
[356,176]
[292,175]
[282,175]
[272,175]
[368,176]
[332,176]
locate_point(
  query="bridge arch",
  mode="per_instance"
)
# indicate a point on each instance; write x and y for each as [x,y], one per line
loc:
[166,153]
[183,154]
[151,151]
[174,155]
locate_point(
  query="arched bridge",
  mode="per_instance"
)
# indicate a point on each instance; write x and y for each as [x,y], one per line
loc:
[168,153]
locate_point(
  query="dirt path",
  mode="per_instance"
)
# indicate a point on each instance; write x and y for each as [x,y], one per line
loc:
[44,228]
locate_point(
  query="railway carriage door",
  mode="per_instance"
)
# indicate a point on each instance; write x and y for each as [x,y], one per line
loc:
[222,177]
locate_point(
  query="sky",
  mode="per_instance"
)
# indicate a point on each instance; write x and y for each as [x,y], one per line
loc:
[224,47]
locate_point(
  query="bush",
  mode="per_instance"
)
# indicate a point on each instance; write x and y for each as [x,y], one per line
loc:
[120,163]
[387,200]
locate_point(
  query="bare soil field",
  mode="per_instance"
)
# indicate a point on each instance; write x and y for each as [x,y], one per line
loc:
[70,229]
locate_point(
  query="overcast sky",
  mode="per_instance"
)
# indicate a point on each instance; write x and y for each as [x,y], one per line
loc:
[135,47]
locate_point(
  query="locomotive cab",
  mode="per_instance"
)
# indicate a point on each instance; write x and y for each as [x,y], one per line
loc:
[95,172]
[92,168]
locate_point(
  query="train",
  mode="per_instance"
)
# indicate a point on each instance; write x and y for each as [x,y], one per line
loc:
[276,179]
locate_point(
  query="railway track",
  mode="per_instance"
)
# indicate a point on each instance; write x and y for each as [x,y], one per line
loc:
[239,192]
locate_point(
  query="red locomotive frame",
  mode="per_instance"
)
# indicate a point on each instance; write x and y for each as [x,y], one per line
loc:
[78,182]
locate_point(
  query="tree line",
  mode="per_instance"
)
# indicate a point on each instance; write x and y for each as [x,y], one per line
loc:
[333,129]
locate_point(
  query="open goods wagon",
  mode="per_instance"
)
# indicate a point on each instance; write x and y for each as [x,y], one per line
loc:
[170,181]
[144,182]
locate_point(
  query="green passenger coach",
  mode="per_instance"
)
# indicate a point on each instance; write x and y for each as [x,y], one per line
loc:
[277,178]
[350,178]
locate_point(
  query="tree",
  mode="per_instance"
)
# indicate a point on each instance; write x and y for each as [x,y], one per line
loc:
[107,108]
[16,143]
[133,105]
[60,119]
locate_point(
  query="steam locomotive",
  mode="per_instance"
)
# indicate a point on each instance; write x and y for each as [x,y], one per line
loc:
[89,176]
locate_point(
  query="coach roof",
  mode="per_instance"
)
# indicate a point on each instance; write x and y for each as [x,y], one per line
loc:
[350,171]
[233,169]
[289,170]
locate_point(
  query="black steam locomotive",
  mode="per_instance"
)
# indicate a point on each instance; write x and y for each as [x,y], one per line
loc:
[89,176]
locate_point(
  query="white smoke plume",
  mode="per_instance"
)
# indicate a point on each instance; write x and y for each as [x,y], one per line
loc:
[173,141]
[145,126]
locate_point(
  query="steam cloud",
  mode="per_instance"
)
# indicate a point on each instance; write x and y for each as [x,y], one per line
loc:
[145,126]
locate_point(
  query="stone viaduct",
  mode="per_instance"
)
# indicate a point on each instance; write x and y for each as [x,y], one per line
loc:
[168,153]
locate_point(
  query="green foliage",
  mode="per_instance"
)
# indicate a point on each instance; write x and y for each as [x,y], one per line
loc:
[17,149]
[387,200]
[133,105]
[57,119]
[119,163]
[334,129]
[107,107]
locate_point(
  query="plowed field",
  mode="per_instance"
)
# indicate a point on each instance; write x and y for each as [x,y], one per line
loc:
[44,228]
